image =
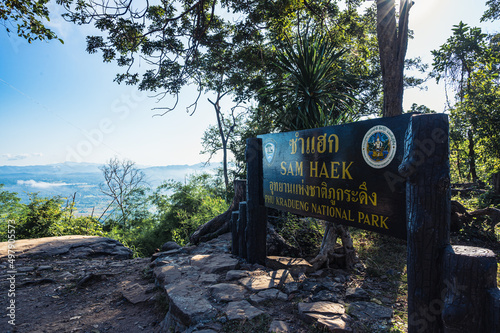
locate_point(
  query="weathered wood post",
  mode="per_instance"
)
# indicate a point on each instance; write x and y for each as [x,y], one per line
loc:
[242,226]
[235,247]
[256,211]
[240,194]
[471,281]
[426,167]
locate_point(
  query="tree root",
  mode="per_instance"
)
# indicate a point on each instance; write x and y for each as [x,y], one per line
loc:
[327,253]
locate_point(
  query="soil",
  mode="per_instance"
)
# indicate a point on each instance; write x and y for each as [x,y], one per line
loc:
[82,295]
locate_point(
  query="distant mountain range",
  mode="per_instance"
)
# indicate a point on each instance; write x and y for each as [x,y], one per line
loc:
[65,179]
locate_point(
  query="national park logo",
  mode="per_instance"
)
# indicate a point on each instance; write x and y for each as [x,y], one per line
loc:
[269,150]
[378,146]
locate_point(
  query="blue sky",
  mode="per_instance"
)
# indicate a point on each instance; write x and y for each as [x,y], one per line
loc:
[58,103]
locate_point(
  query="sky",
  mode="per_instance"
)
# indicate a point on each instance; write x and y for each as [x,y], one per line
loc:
[60,104]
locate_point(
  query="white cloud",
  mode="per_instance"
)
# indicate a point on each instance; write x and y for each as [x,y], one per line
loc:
[15,157]
[45,185]
[35,184]
[18,157]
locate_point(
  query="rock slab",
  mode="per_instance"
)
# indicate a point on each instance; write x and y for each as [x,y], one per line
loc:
[187,303]
[69,247]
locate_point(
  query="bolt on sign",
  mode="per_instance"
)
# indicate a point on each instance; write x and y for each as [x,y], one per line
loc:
[346,174]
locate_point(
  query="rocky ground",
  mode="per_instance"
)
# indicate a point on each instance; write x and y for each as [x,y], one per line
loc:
[78,284]
[90,284]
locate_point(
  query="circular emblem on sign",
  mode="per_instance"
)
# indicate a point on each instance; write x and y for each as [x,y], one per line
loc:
[269,151]
[378,147]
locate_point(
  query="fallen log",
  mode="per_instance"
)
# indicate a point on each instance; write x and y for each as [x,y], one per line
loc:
[492,212]
[460,215]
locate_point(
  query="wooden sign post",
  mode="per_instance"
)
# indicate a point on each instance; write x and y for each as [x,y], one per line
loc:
[256,212]
[426,169]
[388,175]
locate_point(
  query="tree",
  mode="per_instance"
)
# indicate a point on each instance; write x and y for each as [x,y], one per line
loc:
[462,62]
[41,215]
[187,207]
[183,43]
[393,42]
[26,16]
[11,211]
[174,38]
[121,180]
[10,205]
[223,137]
[493,11]
[313,90]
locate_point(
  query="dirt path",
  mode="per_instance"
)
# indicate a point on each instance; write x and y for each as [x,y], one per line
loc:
[66,294]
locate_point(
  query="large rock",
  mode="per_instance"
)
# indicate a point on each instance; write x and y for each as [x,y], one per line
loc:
[357,294]
[321,308]
[369,309]
[242,310]
[69,247]
[226,292]
[188,304]
[258,283]
[279,326]
[166,274]
[327,315]
[134,292]
[268,295]
[332,323]
[214,263]
[170,246]
[282,276]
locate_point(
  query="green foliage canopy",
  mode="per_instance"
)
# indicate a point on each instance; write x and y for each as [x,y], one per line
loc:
[187,207]
[313,90]
[26,17]
[43,217]
[493,11]
[470,65]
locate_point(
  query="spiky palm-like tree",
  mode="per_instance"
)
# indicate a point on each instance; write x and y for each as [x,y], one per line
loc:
[313,90]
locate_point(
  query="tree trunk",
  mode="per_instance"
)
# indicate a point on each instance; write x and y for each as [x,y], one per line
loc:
[459,216]
[472,157]
[392,42]
[495,182]
[459,165]
[222,223]
[350,254]
[223,137]
[327,247]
